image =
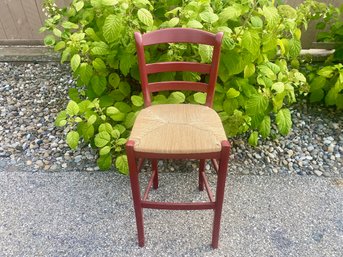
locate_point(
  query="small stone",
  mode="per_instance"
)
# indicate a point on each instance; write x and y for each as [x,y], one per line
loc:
[290,152]
[318,172]
[64,165]
[331,148]
[39,163]
[28,162]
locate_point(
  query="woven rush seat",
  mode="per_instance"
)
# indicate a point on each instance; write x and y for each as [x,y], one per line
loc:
[178,129]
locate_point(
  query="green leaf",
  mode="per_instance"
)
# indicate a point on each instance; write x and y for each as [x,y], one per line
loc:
[105,162]
[59,46]
[251,41]
[72,108]
[279,87]
[137,100]
[91,119]
[229,13]
[114,80]
[271,14]
[294,48]
[49,40]
[120,128]
[69,25]
[75,62]
[256,21]
[331,97]
[112,29]
[60,120]
[232,93]
[257,104]
[339,101]
[145,17]
[326,72]
[173,22]
[72,139]
[264,127]
[253,139]
[230,106]
[86,73]
[122,107]
[78,5]
[100,48]
[105,150]
[200,97]
[176,98]
[205,52]
[317,83]
[102,138]
[118,116]
[109,2]
[209,17]
[99,84]
[122,164]
[107,127]
[112,110]
[125,88]
[99,65]
[73,94]
[194,24]
[316,95]
[284,121]
[115,133]
[249,70]
[125,64]
[130,119]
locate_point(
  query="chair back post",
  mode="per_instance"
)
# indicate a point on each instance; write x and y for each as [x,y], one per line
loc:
[142,69]
[214,69]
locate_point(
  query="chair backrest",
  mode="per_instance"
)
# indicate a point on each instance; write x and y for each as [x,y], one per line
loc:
[178,35]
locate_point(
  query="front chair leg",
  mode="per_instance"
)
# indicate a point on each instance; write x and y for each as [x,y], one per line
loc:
[222,172]
[135,188]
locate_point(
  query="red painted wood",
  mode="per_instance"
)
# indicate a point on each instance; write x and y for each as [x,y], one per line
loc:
[178,206]
[178,66]
[178,35]
[177,85]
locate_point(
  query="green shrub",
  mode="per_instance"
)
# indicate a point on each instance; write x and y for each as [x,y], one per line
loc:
[326,80]
[255,84]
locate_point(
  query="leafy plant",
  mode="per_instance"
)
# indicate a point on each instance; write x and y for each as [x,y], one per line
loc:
[255,85]
[326,81]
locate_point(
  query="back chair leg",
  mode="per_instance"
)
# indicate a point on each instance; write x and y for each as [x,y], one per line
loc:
[155,169]
[201,178]
[222,172]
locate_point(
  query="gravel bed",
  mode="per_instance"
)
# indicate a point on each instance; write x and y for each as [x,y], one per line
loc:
[32,94]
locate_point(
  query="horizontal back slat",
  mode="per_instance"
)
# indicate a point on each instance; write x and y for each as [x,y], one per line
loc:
[177,85]
[178,35]
[177,66]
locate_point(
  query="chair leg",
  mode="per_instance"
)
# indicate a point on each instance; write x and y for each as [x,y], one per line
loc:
[222,172]
[155,170]
[201,171]
[135,192]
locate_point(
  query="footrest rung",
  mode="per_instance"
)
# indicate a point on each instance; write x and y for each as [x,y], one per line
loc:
[178,206]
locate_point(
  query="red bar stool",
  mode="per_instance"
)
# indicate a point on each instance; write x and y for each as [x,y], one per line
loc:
[178,131]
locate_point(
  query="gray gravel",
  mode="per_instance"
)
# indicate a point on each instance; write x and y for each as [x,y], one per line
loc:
[91,214]
[32,94]
[45,213]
